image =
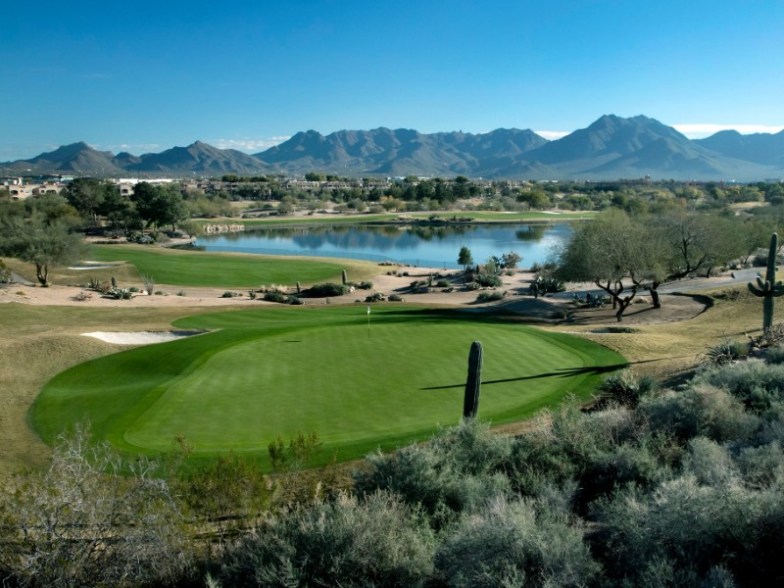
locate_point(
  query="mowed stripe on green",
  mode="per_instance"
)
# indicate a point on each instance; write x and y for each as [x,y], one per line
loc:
[229,270]
[357,383]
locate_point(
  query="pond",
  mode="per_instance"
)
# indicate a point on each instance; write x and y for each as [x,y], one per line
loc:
[418,245]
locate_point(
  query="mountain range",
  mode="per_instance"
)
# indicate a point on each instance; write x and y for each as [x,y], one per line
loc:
[611,148]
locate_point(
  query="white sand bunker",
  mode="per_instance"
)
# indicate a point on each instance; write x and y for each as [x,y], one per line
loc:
[93,265]
[140,337]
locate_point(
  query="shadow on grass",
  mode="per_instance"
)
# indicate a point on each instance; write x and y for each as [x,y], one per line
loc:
[561,373]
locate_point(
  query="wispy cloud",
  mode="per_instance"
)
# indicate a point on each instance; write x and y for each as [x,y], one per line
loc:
[552,135]
[700,130]
[249,145]
[135,148]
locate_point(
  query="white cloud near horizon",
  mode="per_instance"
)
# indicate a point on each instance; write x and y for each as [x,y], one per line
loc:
[250,145]
[691,130]
[700,130]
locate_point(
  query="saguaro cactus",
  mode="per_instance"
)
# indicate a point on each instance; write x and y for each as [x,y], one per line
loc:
[769,288]
[344,275]
[474,381]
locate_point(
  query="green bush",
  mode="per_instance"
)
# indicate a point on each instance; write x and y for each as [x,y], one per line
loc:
[275,296]
[490,296]
[487,280]
[325,290]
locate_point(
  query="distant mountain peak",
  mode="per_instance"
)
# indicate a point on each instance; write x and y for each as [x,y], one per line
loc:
[611,147]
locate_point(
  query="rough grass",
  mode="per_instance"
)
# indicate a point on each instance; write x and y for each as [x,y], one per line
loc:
[38,342]
[664,349]
[279,372]
[222,270]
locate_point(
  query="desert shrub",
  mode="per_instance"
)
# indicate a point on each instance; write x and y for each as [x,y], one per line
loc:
[395,298]
[80,523]
[490,296]
[754,383]
[698,410]
[727,351]
[470,286]
[5,273]
[375,297]
[458,470]
[294,300]
[488,280]
[625,388]
[761,466]
[630,463]
[325,290]
[224,490]
[537,463]
[695,528]
[709,462]
[375,541]
[149,283]
[119,294]
[364,285]
[442,283]
[774,355]
[275,296]
[141,238]
[511,544]
[230,294]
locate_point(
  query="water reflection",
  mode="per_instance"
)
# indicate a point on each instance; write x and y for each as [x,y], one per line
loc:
[411,244]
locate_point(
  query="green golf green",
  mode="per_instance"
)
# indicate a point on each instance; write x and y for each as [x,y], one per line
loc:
[359,381]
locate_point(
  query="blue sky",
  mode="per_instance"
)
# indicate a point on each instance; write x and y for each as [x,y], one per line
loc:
[146,76]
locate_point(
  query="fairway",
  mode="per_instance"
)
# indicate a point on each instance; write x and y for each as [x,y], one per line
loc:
[359,381]
[196,268]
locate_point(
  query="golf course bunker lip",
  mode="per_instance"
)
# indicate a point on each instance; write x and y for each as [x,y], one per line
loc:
[140,337]
[93,265]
